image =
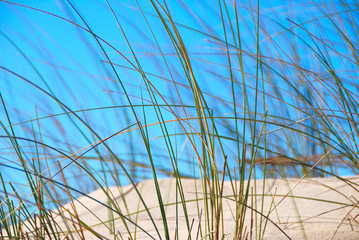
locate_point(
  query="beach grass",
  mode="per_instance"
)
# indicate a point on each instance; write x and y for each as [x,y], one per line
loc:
[108,94]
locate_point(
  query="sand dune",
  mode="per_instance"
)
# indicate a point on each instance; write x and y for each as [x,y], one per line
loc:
[316,209]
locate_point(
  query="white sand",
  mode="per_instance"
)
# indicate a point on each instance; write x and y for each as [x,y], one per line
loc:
[331,214]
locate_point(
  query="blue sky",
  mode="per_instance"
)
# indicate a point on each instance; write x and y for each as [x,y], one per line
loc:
[75,69]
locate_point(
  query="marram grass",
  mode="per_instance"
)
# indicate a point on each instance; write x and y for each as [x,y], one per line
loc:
[105,94]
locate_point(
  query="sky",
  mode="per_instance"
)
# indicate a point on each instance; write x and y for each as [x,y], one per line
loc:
[49,52]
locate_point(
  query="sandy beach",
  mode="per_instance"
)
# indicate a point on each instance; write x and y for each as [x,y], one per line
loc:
[317,208]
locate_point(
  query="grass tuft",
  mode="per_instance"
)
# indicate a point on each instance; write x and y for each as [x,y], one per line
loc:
[178,119]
